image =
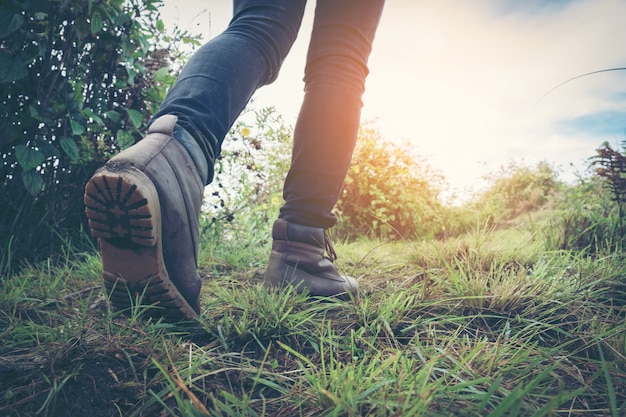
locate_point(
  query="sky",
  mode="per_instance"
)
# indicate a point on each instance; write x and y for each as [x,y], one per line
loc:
[471,84]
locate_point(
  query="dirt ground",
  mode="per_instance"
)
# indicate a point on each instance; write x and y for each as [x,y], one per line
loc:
[103,387]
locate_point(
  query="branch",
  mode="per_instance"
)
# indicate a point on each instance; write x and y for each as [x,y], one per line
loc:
[580,76]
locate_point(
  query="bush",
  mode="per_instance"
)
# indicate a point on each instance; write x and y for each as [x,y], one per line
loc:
[610,165]
[389,192]
[514,190]
[590,214]
[78,82]
[585,219]
[245,196]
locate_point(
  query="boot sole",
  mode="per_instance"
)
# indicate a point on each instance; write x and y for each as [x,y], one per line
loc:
[123,210]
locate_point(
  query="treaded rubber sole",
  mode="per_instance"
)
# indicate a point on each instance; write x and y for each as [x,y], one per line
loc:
[122,206]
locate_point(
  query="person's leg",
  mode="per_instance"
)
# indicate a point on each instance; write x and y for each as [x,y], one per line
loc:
[144,203]
[329,118]
[324,140]
[221,77]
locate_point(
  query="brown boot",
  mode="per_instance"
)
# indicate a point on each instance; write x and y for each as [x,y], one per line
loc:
[299,258]
[144,206]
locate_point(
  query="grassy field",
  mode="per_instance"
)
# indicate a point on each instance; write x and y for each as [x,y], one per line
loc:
[490,323]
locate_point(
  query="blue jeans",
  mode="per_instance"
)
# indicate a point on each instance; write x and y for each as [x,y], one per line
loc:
[221,77]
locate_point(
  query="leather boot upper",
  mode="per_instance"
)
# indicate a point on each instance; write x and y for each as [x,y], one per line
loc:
[299,258]
[180,185]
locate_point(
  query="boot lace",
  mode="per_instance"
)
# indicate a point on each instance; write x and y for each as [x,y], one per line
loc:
[328,246]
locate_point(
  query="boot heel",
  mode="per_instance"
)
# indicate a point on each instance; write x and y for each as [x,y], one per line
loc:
[123,206]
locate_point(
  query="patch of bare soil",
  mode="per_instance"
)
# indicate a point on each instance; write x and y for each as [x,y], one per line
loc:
[94,387]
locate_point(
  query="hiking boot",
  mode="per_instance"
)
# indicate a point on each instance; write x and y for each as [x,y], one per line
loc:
[144,205]
[303,256]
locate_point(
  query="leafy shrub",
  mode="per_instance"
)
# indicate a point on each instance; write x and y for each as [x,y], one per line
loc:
[590,214]
[610,165]
[514,190]
[585,219]
[78,82]
[389,192]
[245,196]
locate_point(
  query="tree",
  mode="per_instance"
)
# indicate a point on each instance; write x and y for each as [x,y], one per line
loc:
[78,82]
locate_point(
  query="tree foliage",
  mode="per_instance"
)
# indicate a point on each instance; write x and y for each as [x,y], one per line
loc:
[78,82]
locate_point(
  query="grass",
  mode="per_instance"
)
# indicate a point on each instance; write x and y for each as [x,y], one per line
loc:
[487,324]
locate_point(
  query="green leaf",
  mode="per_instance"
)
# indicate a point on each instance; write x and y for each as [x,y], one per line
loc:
[96,23]
[162,74]
[117,4]
[144,43]
[124,139]
[28,158]
[131,75]
[34,113]
[113,115]
[46,148]
[12,67]
[82,29]
[9,133]
[32,182]
[9,22]
[69,147]
[92,115]
[77,128]
[160,25]
[121,19]
[152,5]
[135,117]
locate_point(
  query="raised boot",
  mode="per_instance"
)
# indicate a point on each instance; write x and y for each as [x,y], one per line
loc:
[302,256]
[144,206]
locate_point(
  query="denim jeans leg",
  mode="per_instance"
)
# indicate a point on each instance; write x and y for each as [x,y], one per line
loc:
[328,122]
[221,77]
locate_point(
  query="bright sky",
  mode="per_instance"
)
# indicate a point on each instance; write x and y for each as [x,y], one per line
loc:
[463,80]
